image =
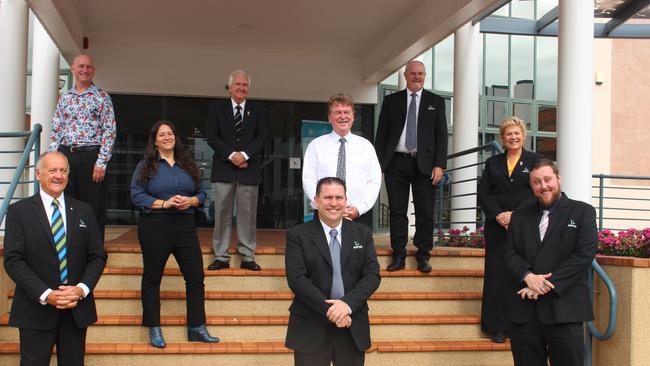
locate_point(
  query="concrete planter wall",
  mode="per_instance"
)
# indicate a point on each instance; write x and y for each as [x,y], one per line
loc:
[630,345]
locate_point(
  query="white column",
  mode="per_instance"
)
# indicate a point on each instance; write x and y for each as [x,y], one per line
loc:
[575,97]
[45,81]
[465,127]
[13,81]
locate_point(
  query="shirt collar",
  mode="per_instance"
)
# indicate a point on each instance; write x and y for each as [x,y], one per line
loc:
[234,104]
[335,136]
[92,89]
[327,228]
[552,208]
[409,92]
[47,199]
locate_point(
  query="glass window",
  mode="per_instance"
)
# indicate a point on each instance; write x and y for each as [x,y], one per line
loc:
[392,79]
[496,65]
[496,112]
[546,88]
[426,59]
[523,111]
[449,108]
[503,11]
[522,66]
[547,146]
[544,6]
[524,9]
[547,118]
[444,64]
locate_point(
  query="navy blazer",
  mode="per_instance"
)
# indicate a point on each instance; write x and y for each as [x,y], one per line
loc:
[31,261]
[309,274]
[568,248]
[223,140]
[431,131]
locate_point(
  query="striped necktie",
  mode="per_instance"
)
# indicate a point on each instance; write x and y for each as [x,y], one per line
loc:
[238,119]
[543,224]
[58,231]
[340,163]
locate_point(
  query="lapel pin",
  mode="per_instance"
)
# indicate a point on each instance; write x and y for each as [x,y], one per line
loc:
[248,113]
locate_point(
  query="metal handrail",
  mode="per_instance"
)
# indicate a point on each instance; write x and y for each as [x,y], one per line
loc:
[601,197]
[33,144]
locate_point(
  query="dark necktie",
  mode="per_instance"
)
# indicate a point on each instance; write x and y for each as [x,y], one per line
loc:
[58,231]
[337,280]
[543,224]
[238,119]
[340,164]
[411,124]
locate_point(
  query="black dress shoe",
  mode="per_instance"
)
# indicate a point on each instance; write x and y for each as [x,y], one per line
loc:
[217,264]
[251,266]
[200,333]
[424,266]
[397,264]
[498,337]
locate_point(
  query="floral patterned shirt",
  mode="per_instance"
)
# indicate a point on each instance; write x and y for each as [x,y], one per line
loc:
[85,118]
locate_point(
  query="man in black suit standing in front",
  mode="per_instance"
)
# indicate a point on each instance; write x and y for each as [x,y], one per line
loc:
[550,245]
[332,269]
[54,253]
[411,145]
[236,132]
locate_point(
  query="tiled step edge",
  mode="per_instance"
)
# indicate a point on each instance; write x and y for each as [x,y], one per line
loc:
[282,272]
[272,347]
[285,295]
[280,320]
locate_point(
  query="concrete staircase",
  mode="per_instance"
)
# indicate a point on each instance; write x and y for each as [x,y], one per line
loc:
[416,319]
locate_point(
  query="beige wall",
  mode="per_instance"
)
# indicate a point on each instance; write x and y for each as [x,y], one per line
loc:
[602,108]
[630,107]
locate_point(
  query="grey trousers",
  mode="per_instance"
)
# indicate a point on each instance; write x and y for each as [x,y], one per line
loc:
[224,198]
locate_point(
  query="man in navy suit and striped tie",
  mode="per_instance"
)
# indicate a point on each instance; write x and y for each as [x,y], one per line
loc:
[54,253]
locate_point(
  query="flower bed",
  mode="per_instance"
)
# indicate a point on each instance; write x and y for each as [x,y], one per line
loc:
[628,243]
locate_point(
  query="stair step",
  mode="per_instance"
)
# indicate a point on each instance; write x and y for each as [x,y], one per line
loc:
[273,279]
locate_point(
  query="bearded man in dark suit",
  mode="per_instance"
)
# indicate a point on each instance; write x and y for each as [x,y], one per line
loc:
[54,252]
[332,269]
[550,245]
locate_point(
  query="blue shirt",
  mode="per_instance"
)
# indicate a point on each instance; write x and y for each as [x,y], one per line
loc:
[166,183]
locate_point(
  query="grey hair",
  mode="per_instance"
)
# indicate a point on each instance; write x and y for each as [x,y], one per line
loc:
[231,77]
[39,162]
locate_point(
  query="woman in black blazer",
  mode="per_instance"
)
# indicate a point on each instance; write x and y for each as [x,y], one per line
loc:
[504,186]
[166,187]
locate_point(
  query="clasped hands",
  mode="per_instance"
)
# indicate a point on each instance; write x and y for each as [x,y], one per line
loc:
[238,160]
[503,219]
[536,286]
[65,297]
[339,313]
[181,202]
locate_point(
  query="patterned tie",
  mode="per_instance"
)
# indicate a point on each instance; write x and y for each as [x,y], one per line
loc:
[58,231]
[411,124]
[543,225]
[340,164]
[238,119]
[337,279]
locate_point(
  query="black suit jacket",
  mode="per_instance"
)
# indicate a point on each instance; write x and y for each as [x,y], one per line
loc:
[498,192]
[567,251]
[309,274]
[431,132]
[223,140]
[31,261]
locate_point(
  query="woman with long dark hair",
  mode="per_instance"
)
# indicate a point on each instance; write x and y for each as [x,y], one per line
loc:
[166,187]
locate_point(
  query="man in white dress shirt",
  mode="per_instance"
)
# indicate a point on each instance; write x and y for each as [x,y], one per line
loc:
[344,155]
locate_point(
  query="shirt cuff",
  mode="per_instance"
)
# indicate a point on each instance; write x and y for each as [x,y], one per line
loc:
[231,154]
[245,155]
[84,288]
[349,309]
[43,298]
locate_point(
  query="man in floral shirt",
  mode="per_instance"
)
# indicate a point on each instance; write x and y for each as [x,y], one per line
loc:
[83,128]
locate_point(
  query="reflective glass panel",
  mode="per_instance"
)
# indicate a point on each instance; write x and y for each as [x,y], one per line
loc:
[546,88]
[522,66]
[496,65]
[444,61]
[547,118]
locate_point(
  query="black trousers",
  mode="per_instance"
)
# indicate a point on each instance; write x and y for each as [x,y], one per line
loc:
[338,348]
[80,182]
[498,286]
[70,340]
[534,343]
[160,235]
[402,173]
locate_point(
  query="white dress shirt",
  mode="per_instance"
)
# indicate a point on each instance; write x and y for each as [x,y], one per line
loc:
[362,170]
[401,144]
[49,210]
[327,229]
[234,111]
